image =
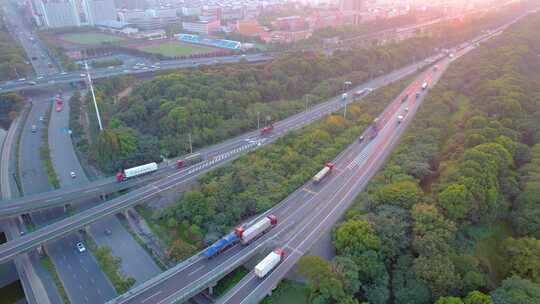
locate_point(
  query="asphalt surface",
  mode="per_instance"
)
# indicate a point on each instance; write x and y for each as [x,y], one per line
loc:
[79,272]
[54,79]
[216,156]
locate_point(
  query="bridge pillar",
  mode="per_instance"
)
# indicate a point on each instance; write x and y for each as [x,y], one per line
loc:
[21,220]
[126,213]
[40,249]
[211,289]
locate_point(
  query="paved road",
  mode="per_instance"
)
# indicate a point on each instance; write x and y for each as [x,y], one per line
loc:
[136,262]
[36,282]
[217,155]
[80,76]
[74,269]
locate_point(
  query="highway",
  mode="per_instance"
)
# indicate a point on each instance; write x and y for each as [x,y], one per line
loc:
[216,156]
[74,269]
[99,73]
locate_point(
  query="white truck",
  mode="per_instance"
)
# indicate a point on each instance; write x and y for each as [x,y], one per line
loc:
[257,229]
[424,85]
[399,119]
[269,263]
[136,171]
[323,173]
[344,96]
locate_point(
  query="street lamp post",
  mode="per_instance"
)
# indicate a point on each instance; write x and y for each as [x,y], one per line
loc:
[345,85]
[93,95]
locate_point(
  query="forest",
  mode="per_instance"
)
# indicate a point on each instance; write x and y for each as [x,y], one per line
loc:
[453,217]
[258,181]
[216,103]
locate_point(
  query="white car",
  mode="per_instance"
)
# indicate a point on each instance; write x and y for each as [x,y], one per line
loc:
[72,174]
[80,247]
[63,73]
[82,75]
[406,109]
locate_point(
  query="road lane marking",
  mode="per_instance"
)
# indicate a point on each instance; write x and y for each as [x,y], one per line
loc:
[153,295]
[53,199]
[91,190]
[196,270]
[309,191]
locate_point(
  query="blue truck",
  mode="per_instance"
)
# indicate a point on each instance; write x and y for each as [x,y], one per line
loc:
[221,245]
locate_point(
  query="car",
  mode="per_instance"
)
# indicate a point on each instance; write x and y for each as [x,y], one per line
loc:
[110,67]
[107,231]
[406,109]
[21,79]
[39,77]
[72,174]
[32,83]
[34,128]
[63,73]
[82,75]
[361,139]
[80,247]
[41,118]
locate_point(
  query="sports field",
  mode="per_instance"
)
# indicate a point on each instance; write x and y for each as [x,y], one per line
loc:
[175,49]
[89,38]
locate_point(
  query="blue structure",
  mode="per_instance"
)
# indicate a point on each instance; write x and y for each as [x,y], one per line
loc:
[220,43]
[221,245]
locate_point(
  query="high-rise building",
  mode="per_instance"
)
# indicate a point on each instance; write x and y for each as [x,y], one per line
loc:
[350,5]
[58,13]
[99,11]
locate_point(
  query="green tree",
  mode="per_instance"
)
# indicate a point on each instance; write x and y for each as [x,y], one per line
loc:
[516,290]
[524,257]
[403,193]
[477,297]
[323,282]
[449,300]
[439,274]
[455,201]
[432,233]
[354,237]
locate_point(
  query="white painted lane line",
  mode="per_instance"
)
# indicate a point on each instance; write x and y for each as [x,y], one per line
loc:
[53,199]
[153,295]
[196,270]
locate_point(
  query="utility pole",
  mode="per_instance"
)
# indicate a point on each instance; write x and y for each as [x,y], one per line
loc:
[93,95]
[190,144]
[258,120]
[345,85]
[307,101]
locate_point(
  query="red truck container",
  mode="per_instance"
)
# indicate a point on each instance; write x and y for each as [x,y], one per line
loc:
[323,173]
[267,129]
[59,104]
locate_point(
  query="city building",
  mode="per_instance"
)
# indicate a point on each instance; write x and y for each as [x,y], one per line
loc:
[248,27]
[291,23]
[58,13]
[99,11]
[202,27]
[351,5]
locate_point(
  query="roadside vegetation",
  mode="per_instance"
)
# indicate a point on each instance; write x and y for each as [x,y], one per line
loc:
[111,266]
[45,152]
[47,263]
[10,106]
[107,62]
[229,281]
[261,179]
[454,215]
